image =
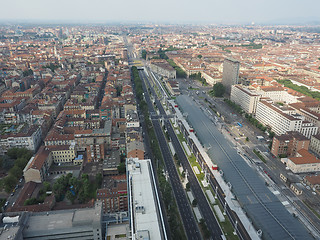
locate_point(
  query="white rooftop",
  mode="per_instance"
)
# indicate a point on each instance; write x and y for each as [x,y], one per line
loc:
[143,200]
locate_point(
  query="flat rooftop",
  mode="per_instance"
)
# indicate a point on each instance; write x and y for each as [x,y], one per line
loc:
[62,221]
[143,202]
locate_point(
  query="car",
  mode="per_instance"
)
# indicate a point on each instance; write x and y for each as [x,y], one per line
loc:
[12,194]
[21,179]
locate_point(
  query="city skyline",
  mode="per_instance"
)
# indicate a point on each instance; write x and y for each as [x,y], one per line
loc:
[141,11]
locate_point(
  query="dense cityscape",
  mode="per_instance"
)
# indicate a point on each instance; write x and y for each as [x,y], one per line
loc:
[159,131]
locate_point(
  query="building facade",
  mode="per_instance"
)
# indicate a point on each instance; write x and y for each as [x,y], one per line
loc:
[114,199]
[230,74]
[289,144]
[30,140]
[303,162]
[163,68]
[315,144]
[282,119]
[247,99]
[276,118]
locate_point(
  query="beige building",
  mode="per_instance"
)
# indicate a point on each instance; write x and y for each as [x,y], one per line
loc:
[63,153]
[163,68]
[315,144]
[247,99]
[38,166]
[303,162]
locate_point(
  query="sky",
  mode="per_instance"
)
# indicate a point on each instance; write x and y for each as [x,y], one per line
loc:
[162,11]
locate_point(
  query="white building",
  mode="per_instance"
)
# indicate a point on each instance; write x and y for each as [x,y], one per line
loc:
[247,99]
[308,129]
[30,140]
[146,219]
[277,94]
[278,119]
[282,119]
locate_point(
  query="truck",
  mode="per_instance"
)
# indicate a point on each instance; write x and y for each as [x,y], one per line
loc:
[260,138]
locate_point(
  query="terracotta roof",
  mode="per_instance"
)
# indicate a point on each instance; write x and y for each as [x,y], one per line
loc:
[40,158]
[313,179]
[304,158]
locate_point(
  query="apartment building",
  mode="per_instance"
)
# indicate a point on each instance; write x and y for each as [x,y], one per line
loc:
[277,94]
[163,68]
[282,119]
[246,98]
[114,199]
[53,138]
[63,153]
[289,144]
[30,140]
[279,119]
[315,144]
[135,149]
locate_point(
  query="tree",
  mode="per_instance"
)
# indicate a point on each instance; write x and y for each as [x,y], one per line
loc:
[9,182]
[122,168]
[21,162]
[199,56]
[99,180]
[70,196]
[218,90]
[27,72]
[194,202]
[58,190]
[6,163]
[30,201]
[16,171]
[144,54]
[46,186]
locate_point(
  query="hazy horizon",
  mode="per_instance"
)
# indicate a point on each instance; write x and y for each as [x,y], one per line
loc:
[174,12]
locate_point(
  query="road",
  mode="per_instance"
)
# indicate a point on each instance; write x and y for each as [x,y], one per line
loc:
[188,219]
[241,231]
[203,204]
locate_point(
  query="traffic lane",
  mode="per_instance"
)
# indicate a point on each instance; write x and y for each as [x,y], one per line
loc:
[203,205]
[181,198]
[149,152]
[210,219]
[186,213]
